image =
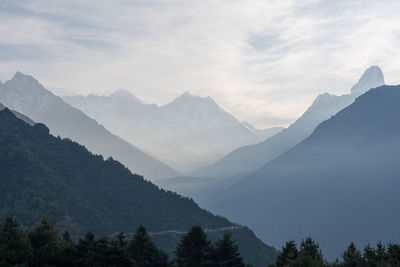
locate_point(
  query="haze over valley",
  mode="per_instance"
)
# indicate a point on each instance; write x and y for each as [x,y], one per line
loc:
[200,133]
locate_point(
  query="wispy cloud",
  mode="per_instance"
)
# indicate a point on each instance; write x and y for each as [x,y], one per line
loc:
[264,61]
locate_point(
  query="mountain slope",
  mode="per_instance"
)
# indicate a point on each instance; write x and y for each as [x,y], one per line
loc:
[341,184]
[188,132]
[249,158]
[19,115]
[24,94]
[42,175]
[197,188]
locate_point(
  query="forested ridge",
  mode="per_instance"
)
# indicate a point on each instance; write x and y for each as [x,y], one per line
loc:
[43,245]
[46,176]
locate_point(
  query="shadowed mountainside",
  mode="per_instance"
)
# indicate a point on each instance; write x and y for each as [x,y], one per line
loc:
[341,184]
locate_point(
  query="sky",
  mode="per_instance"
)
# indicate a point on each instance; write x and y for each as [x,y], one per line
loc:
[264,61]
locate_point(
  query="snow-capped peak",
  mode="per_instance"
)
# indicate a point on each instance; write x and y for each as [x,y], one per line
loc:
[371,78]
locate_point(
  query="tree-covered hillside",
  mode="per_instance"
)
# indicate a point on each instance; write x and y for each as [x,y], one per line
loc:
[45,176]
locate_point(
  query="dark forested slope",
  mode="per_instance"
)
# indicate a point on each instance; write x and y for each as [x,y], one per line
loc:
[41,175]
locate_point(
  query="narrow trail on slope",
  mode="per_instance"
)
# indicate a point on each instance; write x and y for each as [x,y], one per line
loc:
[233,227]
[211,230]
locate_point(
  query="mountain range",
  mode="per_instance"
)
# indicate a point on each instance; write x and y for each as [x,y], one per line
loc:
[26,95]
[46,176]
[340,184]
[247,159]
[188,132]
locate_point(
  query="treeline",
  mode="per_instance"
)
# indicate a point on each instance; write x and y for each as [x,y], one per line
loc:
[309,255]
[44,246]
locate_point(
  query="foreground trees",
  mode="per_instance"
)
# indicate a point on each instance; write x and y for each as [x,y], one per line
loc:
[309,255]
[44,246]
[195,250]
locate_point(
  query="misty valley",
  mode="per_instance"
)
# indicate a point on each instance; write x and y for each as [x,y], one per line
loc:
[213,133]
[74,193]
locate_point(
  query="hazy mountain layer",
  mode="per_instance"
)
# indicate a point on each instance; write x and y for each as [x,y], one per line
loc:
[263,133]
[18,115]
[341,184]
[45,176]
[198,188]
[24,94]
[249,158]
[188,132]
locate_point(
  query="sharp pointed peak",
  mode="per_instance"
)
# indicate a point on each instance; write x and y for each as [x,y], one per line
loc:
[186,94]
[19,74]
[371,78]
[21,77]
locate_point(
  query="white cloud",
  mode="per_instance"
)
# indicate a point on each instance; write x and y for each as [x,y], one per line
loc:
[264,61]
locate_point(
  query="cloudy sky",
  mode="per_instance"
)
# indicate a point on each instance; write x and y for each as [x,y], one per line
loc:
[262,60]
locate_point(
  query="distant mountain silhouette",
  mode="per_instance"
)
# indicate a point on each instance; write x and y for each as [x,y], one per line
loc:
[26,95]
[18,115]
[262,133]
[188,132]
[247,159]
[45,176]
[340,184]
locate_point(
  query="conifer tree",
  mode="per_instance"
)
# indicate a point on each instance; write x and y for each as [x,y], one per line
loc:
[193,249]
[352,257]
[288,253]
[86,254]
[118,253]
[393,254]
[309,255]
[226,253]
[15,248]
[67,257]
[369,256]
[143,253]
[46,244]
